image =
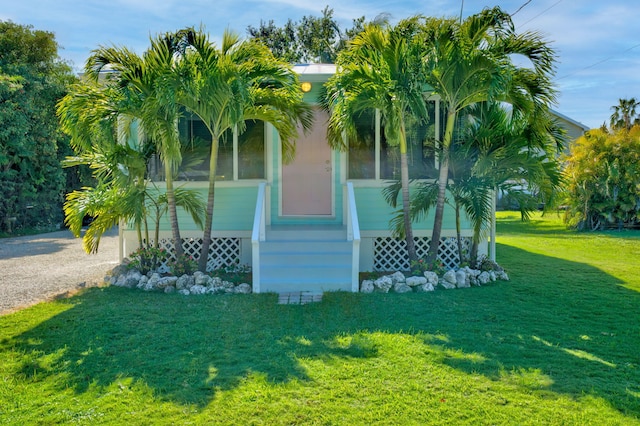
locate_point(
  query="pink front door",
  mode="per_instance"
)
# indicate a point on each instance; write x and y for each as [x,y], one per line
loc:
[307,180]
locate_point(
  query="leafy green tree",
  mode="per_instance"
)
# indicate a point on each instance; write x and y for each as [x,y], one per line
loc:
[312,40]
[470,61]
[240,80]
[603,180]
[381,69]
[32,79]
[625,114]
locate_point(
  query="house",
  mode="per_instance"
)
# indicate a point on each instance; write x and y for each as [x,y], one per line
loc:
[312,224]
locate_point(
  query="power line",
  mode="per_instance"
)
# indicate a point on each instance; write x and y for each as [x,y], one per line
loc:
[521,7]
[598,63]
[542,13]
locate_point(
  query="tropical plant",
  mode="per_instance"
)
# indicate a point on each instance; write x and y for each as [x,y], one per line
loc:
[603,180]
[148,85]
[183,264]
[99,114]
[241,81]
[624,114]
[381,69]
[470,61]
[147,259]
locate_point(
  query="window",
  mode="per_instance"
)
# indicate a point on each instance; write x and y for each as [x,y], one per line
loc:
[371,157]
[240,155]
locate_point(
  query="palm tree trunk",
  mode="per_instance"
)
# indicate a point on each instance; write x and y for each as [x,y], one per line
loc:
[173,215]
[404,181]
[458,234]
[442,187]
[206,238]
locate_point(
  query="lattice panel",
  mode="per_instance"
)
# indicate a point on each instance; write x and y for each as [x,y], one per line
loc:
[390,254]
[222,251]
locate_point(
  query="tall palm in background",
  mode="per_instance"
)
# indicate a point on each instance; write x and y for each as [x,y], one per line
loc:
[239,81]
[380,69]
[624,114]
[470,61]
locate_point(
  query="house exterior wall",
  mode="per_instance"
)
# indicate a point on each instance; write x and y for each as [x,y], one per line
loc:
[235,203]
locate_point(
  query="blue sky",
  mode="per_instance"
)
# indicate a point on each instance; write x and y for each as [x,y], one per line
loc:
[597,41]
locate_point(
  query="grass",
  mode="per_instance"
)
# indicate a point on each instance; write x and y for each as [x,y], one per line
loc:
[556,345]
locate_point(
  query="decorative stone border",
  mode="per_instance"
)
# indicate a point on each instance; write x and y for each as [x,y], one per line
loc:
[461,278]
[198,283]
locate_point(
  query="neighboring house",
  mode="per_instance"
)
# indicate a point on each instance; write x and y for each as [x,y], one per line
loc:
[573,128]
[312,224]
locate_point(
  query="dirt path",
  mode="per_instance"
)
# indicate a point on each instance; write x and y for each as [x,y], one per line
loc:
[40,267]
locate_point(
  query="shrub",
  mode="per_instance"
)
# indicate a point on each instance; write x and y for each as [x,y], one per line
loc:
[184,264]
[603,180]
[420,266]
[147,259]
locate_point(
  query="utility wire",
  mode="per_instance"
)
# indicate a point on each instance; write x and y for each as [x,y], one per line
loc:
[521,7]
[598,63]
[542,13]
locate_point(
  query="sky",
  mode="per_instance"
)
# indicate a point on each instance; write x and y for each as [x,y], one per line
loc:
[597,42]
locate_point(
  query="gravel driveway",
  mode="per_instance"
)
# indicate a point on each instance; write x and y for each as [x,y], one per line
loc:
[40,267]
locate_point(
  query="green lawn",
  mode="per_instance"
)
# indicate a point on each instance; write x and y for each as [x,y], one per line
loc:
[559,344]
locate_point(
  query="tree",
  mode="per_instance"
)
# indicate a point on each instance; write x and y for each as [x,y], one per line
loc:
[495,151]
[380,70]
[149,85]
[32,79]
[624,114]
[99,114]
[603,180]
[470,61]
[506,151]
[240,81]
[313,39]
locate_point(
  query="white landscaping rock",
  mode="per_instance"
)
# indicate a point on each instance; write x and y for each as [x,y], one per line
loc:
[432,277]
[202,279]
[397,277]
[462,280]
[450,277]
[402,288]
[425,288]
[484,278]
[243,288]
[446,284]
[383,284]
[416,281]
[197,289]
[366,286]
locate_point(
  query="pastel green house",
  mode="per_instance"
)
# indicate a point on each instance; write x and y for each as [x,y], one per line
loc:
[311,224]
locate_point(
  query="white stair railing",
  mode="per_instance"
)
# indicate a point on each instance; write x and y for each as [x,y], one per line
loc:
[353,234]
[258,234]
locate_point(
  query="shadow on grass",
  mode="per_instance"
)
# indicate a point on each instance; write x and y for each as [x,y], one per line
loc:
[569,329]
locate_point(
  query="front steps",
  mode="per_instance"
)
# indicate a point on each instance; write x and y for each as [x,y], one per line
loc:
[305,259]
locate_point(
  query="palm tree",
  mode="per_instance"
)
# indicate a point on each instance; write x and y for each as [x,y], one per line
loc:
[470,61]
[226,86]
[380,70]
[509,152]
[624,114]
[148,87]
[98,114]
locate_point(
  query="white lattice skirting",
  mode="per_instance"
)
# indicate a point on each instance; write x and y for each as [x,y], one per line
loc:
[390,254]
[222,251]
